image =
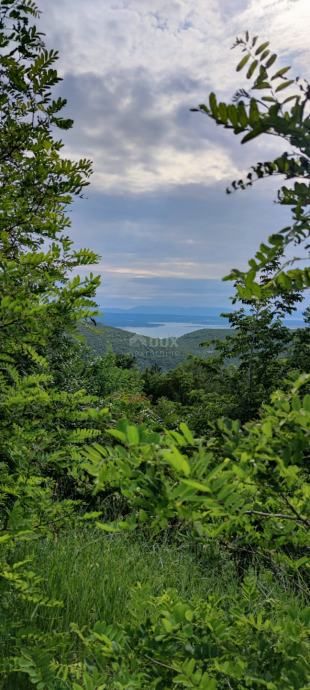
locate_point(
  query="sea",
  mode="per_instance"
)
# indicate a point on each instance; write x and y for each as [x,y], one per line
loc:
[168,330]
[170,325]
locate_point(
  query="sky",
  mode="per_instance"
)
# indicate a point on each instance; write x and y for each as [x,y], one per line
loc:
[156,211]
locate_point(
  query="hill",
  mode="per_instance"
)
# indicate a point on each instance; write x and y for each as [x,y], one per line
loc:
[166,353]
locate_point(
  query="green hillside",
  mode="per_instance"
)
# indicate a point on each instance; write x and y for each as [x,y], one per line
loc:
[167,353]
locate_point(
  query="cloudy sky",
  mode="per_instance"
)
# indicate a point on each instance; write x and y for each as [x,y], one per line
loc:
[156,211]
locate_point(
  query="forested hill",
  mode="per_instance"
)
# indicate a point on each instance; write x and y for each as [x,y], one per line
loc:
[167,353]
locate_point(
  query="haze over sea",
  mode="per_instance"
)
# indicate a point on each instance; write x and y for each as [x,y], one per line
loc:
[168,329]
[163,323]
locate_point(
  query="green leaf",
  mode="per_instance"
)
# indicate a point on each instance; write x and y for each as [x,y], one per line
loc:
[213,104]
[133,435]
[106,527]
[177,460]
[119,435]
[262,47]
[252,69]
[303,561]
[280,72]
[261,85]
[233,115]
[284,280]
[91,516]
[264,55]
[187,433]
[243,62]
[193,484]
[306,402]
[117,526]
[251,135]
[5,537]
[285,84]
[290,98]
[222,112]
[271,60]
[202,107]
[267,429]
[254,114]
[242,115]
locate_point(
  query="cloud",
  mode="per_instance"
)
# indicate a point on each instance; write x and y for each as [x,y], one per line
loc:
[157,212]
[173,268]
[182,35]
[285,23]
[141,136]
[168,291]
[133,70]
[181,236]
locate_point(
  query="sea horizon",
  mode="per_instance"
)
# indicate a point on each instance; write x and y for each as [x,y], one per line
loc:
[171,325]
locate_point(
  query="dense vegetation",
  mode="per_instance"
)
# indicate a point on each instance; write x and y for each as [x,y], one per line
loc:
[165,353]
[154,526]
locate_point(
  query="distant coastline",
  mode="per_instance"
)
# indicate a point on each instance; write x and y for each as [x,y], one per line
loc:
[162,323]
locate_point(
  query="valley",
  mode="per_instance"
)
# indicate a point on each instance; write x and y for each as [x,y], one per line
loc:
[165,353]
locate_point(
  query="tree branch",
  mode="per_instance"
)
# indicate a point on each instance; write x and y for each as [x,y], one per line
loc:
[281,516]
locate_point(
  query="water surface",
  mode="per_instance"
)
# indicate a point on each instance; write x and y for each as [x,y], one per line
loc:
[169,329]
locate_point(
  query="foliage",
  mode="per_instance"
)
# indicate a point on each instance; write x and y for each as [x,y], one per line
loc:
[245,368]
[300,350]
[43,427]
[172,614]
[260,344]
[284,115]
[210,644]
[198,392]
[239,490]
[248,485]
[95,578]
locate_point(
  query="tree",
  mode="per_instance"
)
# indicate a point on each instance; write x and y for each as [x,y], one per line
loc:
[284,115]
[299,354]
[43,426]
[273,285]
[38,295]
[42,298]
[258,347]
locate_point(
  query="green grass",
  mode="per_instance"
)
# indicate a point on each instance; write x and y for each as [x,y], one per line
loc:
[107,577]
[103,577]
[113,578]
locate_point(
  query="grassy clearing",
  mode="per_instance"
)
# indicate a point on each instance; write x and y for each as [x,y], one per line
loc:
[103,577]
[113,579]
